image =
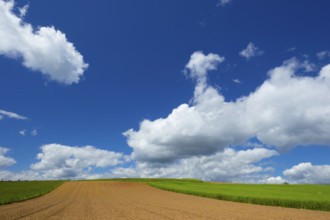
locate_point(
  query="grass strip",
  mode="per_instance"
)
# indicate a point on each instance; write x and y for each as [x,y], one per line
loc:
[313,197]
[16,191]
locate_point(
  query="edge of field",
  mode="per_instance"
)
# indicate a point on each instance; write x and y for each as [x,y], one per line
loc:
[15,191]
[19,191]
[288,203]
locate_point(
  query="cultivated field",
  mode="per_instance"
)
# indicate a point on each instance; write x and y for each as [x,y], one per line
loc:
[129,200]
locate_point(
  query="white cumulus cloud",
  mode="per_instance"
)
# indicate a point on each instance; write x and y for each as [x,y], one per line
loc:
[5,160]
[183,132]
[285,111]
[250,51]
[44,49]
[59,161]
[228,166]
[273,180]
[199,65]
[289,110]
[64,162]
[308,173]
[23,175]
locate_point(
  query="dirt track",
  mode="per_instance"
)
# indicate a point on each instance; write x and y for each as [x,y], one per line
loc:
[114,200]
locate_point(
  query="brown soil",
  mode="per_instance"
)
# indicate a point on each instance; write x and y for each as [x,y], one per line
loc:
[115,200]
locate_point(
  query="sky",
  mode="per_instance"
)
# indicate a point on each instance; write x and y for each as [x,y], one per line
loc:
[219,90]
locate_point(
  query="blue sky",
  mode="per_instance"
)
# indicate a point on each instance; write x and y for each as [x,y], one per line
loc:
[225,90]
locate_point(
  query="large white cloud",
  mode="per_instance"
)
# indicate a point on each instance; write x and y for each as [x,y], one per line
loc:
[5,160]
[67,162]
[229,165]
[183,133]
[60,161]
[273,180]
[46,49]
[64,162]
[288,110]
[308,173]
[22,175]
[285,111]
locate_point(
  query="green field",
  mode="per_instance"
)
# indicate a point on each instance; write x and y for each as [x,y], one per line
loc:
[315,197]
[19,191]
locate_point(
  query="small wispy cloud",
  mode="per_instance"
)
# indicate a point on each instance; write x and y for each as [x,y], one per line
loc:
[22,132]
[237,81]
[23,10]
[323,54]
[34,132]
[6,114]
[291,49]
[308,66]
[251,51]
[222,3]
[26,132]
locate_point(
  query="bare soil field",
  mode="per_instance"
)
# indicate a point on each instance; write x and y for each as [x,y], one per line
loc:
[117,200]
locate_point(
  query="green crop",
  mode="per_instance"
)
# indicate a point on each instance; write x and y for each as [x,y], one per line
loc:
[315,197]
[15,191]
